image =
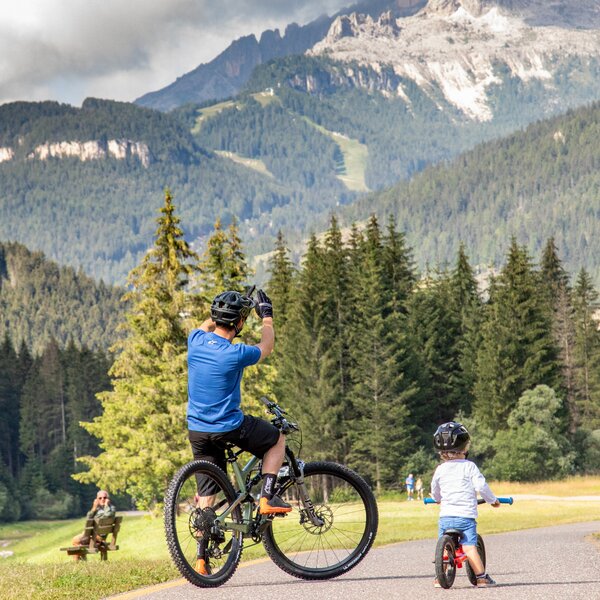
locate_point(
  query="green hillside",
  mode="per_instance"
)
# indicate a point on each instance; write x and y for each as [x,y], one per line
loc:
[540,183]
[40,301]
[302,141]
[99,213]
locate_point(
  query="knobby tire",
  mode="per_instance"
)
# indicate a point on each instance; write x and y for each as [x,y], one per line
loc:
[351,518]
[180,543]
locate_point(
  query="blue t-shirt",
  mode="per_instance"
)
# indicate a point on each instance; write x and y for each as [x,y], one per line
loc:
[215,369]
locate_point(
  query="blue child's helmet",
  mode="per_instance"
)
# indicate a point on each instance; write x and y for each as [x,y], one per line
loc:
[451,436]
[228,307]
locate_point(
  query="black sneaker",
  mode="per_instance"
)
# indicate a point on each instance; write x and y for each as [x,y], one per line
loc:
[486,580]
[274,506]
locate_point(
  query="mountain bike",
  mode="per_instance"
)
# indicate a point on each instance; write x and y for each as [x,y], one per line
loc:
[331,528]
[449,553]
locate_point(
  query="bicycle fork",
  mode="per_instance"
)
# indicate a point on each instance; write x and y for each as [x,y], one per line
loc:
[308,512]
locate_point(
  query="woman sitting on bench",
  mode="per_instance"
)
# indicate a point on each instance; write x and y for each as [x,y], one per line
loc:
[100,508]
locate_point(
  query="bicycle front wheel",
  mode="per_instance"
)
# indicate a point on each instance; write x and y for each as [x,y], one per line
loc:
[204,552]
[347,510]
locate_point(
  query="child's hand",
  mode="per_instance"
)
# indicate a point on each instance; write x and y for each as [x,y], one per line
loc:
[496,504]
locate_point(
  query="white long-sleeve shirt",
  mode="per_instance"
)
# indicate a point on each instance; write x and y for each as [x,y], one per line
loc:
[456,484]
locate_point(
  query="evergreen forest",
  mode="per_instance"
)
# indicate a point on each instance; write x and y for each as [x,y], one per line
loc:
[43,398]
[371,355]
[41,301]
[56,328]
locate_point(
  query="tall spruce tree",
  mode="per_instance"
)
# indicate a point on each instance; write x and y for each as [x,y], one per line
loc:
[334,312]
[9,406]
[303,382]
[280,286]
[398,274]
[435,332]
[517,350]
[587,352]
[223,265]
[142,427]
[380,390]
[467,307]
[554,284]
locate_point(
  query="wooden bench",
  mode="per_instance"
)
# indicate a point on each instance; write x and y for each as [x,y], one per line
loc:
[98,530]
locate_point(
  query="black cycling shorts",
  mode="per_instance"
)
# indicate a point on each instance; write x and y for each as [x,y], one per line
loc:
[254,435]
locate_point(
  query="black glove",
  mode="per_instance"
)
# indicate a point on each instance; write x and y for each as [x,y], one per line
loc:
[264,308]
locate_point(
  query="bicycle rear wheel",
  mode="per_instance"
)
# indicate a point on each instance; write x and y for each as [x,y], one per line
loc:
[190,526]
[481,550]
[348,511]
[445,567]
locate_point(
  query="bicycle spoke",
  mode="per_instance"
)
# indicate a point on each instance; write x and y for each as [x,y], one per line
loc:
[343,512]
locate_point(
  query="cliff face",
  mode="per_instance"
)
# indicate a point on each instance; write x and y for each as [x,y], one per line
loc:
[227,73]
[458,46]
[84,151]
[225,76]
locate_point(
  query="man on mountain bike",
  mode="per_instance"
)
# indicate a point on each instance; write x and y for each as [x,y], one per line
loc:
[215,369]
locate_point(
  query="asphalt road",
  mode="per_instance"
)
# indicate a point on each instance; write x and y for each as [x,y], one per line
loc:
[551,563]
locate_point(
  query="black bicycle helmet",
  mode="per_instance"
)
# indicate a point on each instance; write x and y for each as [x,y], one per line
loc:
[451,436]
[228,307]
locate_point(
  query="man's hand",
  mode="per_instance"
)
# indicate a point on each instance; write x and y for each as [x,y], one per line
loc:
[264,308]
[496,504]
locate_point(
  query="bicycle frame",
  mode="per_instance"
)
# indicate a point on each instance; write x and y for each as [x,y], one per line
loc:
[241,476]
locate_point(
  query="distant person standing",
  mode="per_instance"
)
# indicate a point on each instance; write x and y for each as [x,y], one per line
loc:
[419,488]
[410,486]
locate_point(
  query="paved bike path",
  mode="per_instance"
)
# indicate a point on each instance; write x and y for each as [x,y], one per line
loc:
[550,563]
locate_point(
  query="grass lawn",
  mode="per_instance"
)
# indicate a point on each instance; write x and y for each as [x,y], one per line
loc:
[38,569]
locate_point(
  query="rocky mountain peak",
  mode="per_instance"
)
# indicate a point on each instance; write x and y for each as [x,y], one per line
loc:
[448,7]
[357,24]
[455,46]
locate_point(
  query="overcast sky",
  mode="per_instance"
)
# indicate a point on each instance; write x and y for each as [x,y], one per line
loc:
[67,50]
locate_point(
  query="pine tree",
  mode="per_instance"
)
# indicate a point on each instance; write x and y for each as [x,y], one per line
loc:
[517,350]
[467,308]
[587,352]
[223,265]
[398,274]
[9,406]
[280,284]
[142,427]
[303,382]
[380,389]
[434,329]
[554,283]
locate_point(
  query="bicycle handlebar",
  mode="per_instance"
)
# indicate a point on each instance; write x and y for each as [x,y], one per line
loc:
[279,421]
[508,500]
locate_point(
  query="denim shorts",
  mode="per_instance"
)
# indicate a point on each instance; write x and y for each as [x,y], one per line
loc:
[467,526]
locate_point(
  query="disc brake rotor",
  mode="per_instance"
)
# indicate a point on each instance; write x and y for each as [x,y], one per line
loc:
[324,513]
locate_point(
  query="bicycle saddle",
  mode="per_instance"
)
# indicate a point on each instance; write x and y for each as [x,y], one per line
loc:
[453,532]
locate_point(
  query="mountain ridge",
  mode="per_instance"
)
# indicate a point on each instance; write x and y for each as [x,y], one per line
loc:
[456,46]
[226,74]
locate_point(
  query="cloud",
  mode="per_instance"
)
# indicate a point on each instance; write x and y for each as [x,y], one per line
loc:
[69,49]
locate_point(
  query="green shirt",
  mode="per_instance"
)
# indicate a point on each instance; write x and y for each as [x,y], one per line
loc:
[102,511]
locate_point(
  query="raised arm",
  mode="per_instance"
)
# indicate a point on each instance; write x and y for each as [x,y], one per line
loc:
[267,340]
[264,309]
